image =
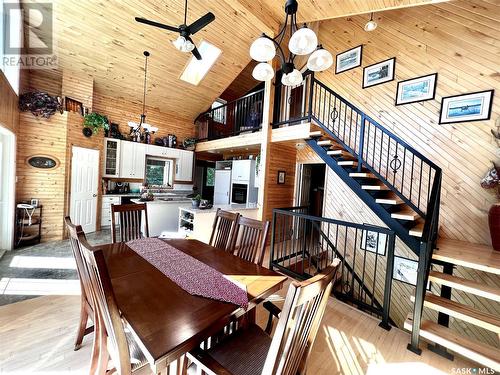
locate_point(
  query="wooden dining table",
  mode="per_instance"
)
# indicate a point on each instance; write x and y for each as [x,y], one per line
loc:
[168,321]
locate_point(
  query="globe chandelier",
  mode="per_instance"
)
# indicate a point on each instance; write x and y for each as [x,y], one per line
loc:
[303,41]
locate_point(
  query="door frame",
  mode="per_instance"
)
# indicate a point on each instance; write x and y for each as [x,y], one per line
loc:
[8,161]
[70,200]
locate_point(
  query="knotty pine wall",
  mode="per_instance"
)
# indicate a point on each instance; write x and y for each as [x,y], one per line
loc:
[460,41]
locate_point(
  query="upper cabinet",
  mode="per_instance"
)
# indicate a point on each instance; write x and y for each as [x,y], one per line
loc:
[111,157]
[133,160]
[243,170]
[184,166]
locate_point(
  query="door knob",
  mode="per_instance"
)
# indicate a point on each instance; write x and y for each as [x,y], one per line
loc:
[94,195]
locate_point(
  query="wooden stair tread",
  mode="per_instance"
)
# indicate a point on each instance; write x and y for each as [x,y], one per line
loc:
[463,312]
[379,187]
[316,133]
[466,285]
[347,163]
[476,351]
[325,142]
[417,230]
[405,214]
[362,175]
[480,257]
[392,199]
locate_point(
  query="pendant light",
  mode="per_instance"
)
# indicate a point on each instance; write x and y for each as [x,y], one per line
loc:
[371,25]
[140,131]
[303,41]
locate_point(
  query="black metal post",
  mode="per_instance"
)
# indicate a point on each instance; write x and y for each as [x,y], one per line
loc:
[271,255]
[361,142]
[388,283]
[311,93]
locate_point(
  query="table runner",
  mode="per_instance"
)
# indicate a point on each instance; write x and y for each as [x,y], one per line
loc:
[190,274]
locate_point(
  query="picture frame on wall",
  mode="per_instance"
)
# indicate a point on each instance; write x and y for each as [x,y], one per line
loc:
[374,242]
[379,73]
[406,271]
[470,107]
[349,59]
[281,177]
[419,89]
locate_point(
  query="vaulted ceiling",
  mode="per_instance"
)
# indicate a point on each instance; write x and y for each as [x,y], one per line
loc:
[101,39]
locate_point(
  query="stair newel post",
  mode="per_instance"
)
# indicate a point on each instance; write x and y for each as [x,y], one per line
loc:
[388,283]
[311,93]
[273,231]
[361,142]
[422,277]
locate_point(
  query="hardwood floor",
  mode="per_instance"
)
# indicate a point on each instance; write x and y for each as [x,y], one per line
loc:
[36,336]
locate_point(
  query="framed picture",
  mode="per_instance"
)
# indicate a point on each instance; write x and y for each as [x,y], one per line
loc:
[374,242]
[406,270]
[379,73]
[281,177]
[349,59]
[466,107]
[417,89]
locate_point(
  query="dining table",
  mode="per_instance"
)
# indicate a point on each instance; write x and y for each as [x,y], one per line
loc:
[166,320]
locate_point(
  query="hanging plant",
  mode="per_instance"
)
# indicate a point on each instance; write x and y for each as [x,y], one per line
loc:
[40,104]
[257,164]
[95,121]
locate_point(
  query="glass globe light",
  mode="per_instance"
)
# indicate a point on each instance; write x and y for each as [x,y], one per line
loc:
[183,45]
[320,60]
[303,41]
[294,78]
[371,25]
[263,72]
[262,49]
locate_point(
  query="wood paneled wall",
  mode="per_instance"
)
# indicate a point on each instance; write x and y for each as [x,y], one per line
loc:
[9,112]
[37,135]
[78,87]
[460,41]
[282,157]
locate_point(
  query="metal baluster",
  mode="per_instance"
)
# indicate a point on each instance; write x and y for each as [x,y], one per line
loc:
[420,182]
[362,142]
[403,172]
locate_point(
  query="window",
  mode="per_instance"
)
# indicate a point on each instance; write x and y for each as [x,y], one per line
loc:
[13,21]
[159,172]
[219,111]
[196,69]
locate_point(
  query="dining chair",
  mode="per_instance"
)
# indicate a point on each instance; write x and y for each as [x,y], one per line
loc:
[86,306]
[112,339]
[224,230]
[251,237]
[252,351]
[130,219]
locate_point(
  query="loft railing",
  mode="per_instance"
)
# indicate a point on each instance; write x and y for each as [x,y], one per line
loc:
[302,245]
[233,118]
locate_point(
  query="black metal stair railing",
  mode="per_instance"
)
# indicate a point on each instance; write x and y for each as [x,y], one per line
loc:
[302,245]
[236,117]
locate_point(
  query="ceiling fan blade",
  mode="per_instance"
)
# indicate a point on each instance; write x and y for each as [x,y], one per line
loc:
[201,23]
[196,53]
[157,24]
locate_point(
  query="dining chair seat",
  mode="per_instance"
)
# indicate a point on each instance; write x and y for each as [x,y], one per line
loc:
[137,357]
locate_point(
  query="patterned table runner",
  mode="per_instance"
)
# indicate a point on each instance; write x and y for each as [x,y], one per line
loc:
[189,273]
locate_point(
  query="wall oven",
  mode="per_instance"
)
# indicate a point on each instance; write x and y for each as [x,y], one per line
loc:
[239,193]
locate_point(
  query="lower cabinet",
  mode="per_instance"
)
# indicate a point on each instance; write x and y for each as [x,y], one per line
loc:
[106,209]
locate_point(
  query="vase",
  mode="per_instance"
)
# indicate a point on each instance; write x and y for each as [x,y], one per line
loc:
[494,221]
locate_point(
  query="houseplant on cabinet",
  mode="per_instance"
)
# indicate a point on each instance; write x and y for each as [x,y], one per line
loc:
[95,121]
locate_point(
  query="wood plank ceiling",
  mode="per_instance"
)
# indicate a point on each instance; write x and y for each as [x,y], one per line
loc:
[102,39]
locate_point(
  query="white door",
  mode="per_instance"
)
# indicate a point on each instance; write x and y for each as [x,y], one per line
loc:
[84,185]
[7,188]
[222,189]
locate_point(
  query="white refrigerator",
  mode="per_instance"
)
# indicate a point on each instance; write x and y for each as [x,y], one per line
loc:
[222,189]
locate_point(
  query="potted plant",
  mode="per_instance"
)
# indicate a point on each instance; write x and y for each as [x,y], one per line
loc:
[95,121]
[195,201]
[189,144]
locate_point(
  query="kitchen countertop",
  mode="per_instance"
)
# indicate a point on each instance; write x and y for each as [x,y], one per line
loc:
[122,195]
[164,200]
[225,207]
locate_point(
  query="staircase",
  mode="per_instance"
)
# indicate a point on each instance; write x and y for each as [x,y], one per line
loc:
[403,188]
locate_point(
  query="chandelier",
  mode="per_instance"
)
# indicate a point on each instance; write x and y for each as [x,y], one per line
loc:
[141,131]
[303,41]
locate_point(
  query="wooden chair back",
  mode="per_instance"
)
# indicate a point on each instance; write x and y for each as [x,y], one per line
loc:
[251,238]
[224,230]
[110,333]
[130,220]
[75,231]
[299,321]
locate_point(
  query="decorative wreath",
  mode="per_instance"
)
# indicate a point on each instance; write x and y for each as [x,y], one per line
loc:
[40,104]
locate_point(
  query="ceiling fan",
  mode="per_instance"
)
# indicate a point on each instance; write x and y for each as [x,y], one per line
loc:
[184,42]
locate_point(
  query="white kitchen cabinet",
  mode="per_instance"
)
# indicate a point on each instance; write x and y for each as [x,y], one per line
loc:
[243,170]
[162,152]
[111,157]
[132,160]
[184,166]
[106,209]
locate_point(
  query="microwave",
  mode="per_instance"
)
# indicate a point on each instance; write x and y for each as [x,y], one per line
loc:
[239,193]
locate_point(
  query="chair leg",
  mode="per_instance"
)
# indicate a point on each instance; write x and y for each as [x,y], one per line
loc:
[84,316]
